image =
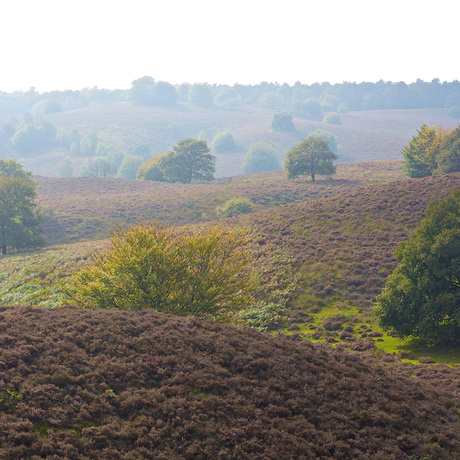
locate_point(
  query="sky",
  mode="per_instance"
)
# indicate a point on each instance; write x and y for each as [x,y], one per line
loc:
[68,44]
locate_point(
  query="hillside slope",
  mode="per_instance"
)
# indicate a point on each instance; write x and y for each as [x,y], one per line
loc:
[362,136]
[106,384]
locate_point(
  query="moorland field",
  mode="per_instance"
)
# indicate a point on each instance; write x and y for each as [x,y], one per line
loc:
[321,379]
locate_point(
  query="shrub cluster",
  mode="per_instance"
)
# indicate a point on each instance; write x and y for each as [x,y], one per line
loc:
[110,384]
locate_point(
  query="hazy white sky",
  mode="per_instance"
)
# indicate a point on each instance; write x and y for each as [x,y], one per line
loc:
[68,44]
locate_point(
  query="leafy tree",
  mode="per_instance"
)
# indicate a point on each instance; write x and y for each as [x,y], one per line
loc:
[420,154]
[223,142]
[312,156]
[259,158]
[327,136]
[19,222]
[332,118]
[151,170]
[129,166]
[206,273]
[235,206]
[200,94]
[448,159]
[11,168]
[282,122]
[189,160]
[422,295]
[65,168]
[163,94]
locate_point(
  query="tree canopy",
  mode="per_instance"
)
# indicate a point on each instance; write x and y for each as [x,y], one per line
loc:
[422,295]
[260,157]
[189,160]
[19,222]
[432,151]
[206,272]
[311,157]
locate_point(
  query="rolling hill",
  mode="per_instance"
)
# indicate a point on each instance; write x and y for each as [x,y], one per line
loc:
[124,385]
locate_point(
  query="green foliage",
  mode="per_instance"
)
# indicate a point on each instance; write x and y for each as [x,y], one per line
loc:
[223,142]
[189,160]
[32,133]
[327,136]
[205,273]
[129,166]
[19,222]
[65,168]
[332,117]
[235,206]
[448,159]
[422,295]
[312,156]
[282,122]
[200,94]
[11,168]
[420,154]
[260,157]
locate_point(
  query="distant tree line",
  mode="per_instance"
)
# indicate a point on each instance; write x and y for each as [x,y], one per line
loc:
[312,101]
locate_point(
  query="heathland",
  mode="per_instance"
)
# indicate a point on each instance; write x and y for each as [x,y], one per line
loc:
[319,379]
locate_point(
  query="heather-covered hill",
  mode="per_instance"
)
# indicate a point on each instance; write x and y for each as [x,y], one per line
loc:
[87,208]
[87,385]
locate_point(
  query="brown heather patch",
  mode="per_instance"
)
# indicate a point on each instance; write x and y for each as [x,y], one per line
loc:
[108,384]
[343,242]
[88,208]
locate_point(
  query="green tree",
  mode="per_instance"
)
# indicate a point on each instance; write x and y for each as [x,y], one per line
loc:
[19,222]
[188,161]
[422,296]
[448,159]
[151,170]
[200,94]
[11,168]
[311,157]
[421,152]
[259,158]
[282,122]
[129,166]
[206,273]
[65,168]
[223,142]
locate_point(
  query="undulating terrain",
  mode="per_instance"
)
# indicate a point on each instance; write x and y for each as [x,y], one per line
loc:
[123,385]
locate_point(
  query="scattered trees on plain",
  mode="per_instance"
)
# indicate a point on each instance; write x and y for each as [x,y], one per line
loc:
[189,160]
[432,151]
[19,221]
[311,157]
[259,158]
[422,295]
[206,272]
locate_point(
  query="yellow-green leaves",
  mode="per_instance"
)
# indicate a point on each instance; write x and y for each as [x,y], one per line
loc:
[206,273]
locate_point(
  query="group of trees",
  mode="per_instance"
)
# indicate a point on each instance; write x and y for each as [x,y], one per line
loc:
[432,151]
[313,101]
[19,220]
[189,160]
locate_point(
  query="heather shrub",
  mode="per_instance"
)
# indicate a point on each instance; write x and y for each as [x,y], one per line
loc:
[235,206]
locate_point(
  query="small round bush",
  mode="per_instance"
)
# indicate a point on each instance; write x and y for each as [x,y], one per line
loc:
[259,158]
[223,142]
[332,117]
[235,206]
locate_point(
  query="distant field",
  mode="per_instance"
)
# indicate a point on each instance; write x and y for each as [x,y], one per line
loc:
[362,136]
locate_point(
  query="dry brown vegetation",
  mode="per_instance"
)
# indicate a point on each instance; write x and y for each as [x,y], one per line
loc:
[123,385]
[88,208]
